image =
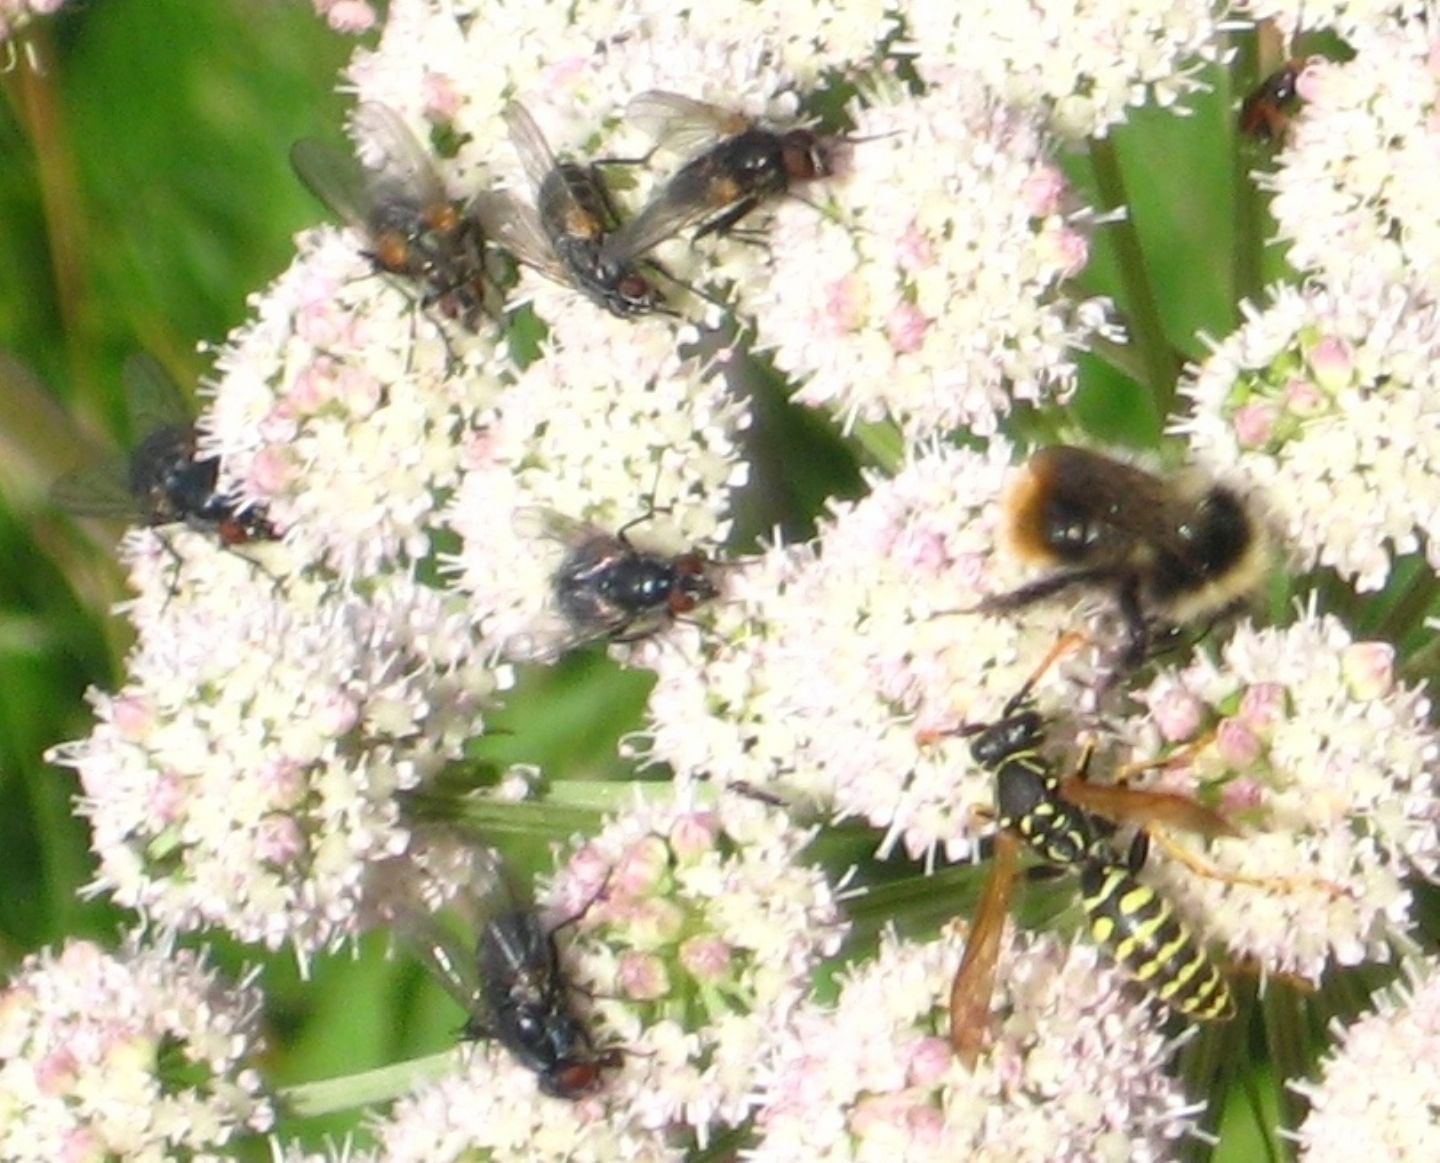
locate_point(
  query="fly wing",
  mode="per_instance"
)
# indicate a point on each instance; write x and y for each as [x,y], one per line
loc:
[515,226]
[553,633]
[452,965]
[152,398]
[537,521]
[101,490]
[336,178]
[682,124]
[667,214]
[536,157]
[395,157]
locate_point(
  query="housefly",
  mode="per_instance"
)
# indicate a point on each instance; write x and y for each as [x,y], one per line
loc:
[564,234]
[607,587]
[515,990]
[162,481]
[744,164]
[399,203]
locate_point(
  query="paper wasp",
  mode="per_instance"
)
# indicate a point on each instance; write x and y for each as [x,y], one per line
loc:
[1065,820]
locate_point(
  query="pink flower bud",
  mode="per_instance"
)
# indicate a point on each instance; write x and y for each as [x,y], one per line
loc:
[1178,715]
[693,835]
[642,976]
[1369,669]
[1261,706]
[906,328]
[706,958]
[1237,745]
[1331,361]
[1254,424]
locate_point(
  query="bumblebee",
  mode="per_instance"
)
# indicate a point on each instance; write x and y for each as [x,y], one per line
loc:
[568,234]
[414,228]
[749,164]
[162,481]
[1171,552]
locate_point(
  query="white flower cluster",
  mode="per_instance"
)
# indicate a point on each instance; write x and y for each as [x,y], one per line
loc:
[1327,401]
[1331,771]
[141,1055]
[16,14]
[488,1109]
[251,772]
[938,300]
[1355,186]
[1081,65]
[1379,1088]
[1075,1071]
[704,929]
[838,671]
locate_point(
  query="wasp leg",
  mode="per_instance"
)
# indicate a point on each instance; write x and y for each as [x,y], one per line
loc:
[975,979]
[1281,884]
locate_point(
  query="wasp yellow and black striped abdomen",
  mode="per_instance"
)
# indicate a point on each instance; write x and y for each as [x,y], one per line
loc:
[1140,929]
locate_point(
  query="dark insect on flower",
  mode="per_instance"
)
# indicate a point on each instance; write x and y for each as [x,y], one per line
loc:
[1063,821]
[606,587]
[749,164]
[1172,552]
[564,235]
[514,989]
[413,227]
[162,481]
[1266,111]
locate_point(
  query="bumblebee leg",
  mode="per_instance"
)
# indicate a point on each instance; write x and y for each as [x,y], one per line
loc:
[975,979]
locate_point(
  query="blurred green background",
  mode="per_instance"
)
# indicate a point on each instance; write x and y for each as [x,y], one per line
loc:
[144,193]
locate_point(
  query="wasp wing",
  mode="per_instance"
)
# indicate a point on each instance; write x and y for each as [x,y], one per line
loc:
[402,166]
[682,124]
[152,397]
[1144,807]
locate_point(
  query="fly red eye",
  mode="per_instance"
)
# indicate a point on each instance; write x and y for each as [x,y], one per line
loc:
[635,289]
[681,602]
[803,158]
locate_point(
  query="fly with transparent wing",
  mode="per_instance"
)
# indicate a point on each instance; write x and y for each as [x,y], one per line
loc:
[606,588]
[564,234]
[398,201]
[514,989]
[162,481]
[743,164]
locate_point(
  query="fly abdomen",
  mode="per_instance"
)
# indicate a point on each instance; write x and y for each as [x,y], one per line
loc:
[1139,928]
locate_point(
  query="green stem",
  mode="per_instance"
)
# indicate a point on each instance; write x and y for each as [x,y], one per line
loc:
[1162,365]
[1410,608]
[366,1088]
[882,444]
[1250,202]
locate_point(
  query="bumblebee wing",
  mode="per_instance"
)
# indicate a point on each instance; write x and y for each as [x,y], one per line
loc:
[664,216]
[536,157]
[682,124]
[152,398]
[400,161]
[337,179]
[101,490]
[515,226]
